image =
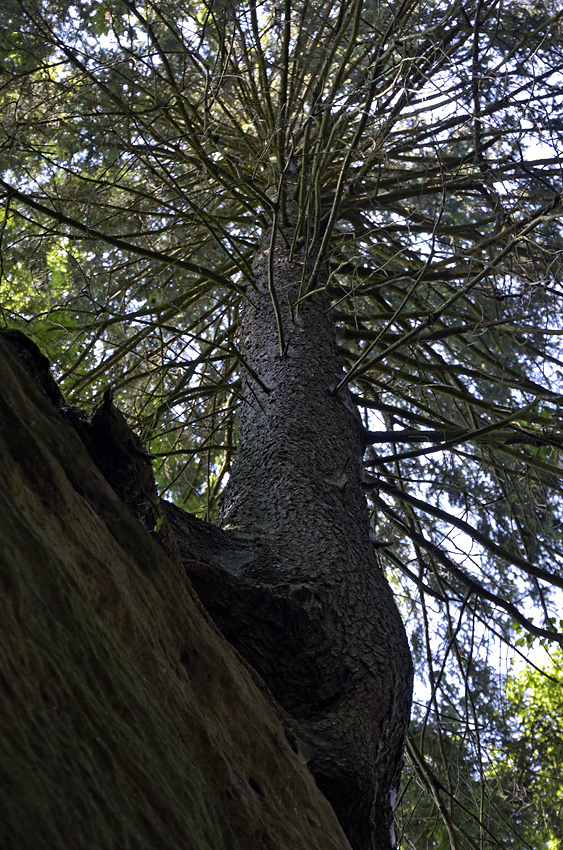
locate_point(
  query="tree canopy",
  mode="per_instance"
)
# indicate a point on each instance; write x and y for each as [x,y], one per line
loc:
[418,146]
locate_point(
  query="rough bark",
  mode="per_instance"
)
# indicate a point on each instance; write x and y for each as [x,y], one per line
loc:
[319,622]
[126,719]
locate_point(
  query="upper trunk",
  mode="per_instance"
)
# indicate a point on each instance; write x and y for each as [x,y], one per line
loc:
[332,646]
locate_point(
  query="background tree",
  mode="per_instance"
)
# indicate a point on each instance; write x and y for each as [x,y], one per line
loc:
[514,783]
[409,155]
[530,765]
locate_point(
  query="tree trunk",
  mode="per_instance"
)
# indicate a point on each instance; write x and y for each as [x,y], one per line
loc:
[321,625]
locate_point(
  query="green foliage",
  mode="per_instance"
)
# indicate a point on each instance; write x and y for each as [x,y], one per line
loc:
[509,793]
[531,766]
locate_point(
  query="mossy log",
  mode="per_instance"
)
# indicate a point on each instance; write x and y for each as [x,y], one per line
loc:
[126,719]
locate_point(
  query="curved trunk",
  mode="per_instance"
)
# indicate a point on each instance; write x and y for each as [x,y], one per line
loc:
[325,632]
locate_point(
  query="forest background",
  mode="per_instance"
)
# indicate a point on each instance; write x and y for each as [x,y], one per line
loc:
[144,149]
